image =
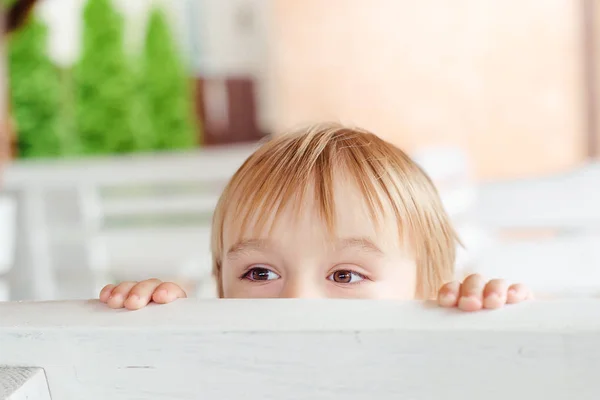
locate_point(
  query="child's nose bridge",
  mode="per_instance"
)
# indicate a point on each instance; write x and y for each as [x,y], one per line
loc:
[301,287]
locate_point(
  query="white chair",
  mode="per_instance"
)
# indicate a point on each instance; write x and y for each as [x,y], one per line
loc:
[547,231]
[83,228]
[542,231]
[156,234]
[8,210]
[450,170]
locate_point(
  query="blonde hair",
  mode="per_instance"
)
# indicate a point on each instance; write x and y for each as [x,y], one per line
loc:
[280,171]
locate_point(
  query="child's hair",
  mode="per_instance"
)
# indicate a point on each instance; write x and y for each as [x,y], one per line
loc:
[282,169]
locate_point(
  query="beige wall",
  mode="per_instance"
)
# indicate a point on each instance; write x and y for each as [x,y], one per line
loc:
[595,21]
[500,77]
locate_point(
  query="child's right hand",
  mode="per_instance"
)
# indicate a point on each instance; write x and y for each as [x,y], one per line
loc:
[135,295]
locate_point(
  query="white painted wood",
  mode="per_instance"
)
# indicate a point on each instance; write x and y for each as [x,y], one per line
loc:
[18,383]
[33,271]
[206,165]
[300,349]
[194,204]
[552,266]
[569,201]
[86,196]
[8,218]
[157,251]
[450,170]
[206,287]
[563,211]
[4,290]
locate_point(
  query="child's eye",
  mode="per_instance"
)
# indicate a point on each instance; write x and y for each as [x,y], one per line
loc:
[346,276]
[260,274]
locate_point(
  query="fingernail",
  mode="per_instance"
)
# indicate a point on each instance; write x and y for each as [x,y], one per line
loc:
[115,296]
[493,296]
[493,300]
[466,299]
[134,297]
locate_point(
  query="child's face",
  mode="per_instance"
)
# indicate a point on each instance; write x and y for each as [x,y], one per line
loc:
[299,259]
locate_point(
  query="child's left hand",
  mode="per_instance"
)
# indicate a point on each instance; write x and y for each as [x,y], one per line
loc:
[475,294]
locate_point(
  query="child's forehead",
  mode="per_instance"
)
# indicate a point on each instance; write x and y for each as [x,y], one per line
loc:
[302,217]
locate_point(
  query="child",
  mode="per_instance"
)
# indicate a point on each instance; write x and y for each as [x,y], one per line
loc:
[331,212]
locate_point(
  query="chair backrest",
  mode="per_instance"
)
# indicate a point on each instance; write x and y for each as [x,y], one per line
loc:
[546,229]
[566,202]
[8,218]
[153,229]
[542,231]
[451,171]
[116,218]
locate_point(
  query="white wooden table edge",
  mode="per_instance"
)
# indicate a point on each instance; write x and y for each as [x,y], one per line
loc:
[219,315]
[300,349]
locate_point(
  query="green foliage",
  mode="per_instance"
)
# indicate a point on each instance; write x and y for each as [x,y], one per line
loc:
[166,88]
[104,83]
[35,92]
[108,102]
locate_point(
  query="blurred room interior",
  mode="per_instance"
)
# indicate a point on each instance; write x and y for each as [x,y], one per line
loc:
[497,99]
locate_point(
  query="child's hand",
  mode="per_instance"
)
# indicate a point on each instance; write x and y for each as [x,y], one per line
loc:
[135,295]
[475,293]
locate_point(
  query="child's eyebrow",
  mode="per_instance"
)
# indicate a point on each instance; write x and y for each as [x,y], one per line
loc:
[363,243]
[247,245]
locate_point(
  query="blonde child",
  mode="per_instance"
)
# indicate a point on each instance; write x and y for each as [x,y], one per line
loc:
[331,212]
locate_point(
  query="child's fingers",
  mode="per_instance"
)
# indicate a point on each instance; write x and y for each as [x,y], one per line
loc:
[494,293]
[119,294]
[471,293]
[448,294]
[105,293]
[141,294]
[167,292]
[517,293]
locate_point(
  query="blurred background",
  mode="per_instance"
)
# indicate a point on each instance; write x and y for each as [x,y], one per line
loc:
[123,119]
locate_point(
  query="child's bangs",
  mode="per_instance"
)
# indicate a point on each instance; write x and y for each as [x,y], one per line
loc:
[295,177]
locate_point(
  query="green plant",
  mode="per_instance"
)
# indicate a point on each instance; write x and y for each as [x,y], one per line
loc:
[104,83]
[35,92]
[166,88]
